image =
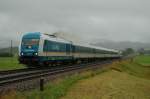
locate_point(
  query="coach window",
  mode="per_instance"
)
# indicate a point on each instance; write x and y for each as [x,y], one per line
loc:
[62,47]
[54,46]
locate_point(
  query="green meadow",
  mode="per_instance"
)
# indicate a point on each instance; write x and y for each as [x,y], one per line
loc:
[9,63]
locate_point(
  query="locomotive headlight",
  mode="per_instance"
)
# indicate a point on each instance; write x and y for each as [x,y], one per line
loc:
[22,54]
[35,53]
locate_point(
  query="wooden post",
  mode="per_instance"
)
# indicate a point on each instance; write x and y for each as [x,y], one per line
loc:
[11,50]
[41,84]
[131,60]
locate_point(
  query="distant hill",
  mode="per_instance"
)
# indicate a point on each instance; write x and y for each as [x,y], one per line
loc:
[120,45]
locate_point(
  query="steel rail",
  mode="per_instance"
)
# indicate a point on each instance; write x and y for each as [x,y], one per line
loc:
[13,78]
[6,72]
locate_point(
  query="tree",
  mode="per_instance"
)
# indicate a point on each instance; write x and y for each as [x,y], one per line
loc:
[128,51]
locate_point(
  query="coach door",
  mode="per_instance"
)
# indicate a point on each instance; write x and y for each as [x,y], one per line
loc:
[69,49]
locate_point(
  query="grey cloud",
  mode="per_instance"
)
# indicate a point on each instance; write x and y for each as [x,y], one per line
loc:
[109,19]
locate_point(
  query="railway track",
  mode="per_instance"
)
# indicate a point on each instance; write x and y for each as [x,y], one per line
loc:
[27,74]
[15,71]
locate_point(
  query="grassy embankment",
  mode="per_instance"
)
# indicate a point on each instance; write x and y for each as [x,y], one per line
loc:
[122,80]
[9,63]
[125,80]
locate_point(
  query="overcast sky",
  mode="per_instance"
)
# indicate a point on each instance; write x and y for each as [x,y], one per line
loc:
[119,20]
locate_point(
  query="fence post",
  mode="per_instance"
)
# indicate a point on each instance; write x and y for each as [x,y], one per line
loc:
[41,84]
[11,48]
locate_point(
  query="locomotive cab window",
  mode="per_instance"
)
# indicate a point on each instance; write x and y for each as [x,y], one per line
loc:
[30,41]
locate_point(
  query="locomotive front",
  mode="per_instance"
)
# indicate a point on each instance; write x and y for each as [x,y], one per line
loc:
[28,50]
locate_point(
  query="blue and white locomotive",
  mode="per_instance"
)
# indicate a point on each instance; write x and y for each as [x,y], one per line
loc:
[43,49]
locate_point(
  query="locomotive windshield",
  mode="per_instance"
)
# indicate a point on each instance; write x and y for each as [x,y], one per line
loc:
[30,41]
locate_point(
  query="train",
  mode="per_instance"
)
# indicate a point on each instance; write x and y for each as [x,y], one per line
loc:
[40,49]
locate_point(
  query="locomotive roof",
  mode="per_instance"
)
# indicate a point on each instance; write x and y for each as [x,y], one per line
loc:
[54,38]
[31,35]
[96,47]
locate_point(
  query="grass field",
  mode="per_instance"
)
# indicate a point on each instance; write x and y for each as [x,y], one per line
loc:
[121,80]
[143,60]
[9,63]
